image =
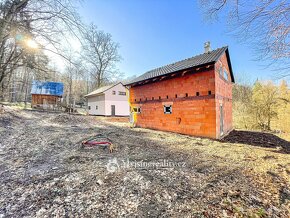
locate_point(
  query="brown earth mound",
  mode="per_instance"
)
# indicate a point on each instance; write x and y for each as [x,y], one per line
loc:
[261,139]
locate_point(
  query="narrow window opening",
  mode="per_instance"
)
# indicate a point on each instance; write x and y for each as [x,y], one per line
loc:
[152,98]
[167,96]
[186,94]
[140,99]
[146,99]
[209,92]
[97,107]
[159,97]
[197,93]
[135,99]
[175,95]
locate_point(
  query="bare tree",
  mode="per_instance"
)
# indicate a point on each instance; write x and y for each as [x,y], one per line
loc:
[101,54]
[29,27]
[262,23]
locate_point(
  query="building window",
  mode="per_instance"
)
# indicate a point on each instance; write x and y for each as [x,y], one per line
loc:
[122,93]
[186,94]
[97,107]
[197,93]
[209,92]
[137,110]
[226,75]
[114,92]
[221,71]
[89,107]
[167,109]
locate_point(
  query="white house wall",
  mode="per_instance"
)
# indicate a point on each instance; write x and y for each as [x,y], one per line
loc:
[99,101]
[120,101]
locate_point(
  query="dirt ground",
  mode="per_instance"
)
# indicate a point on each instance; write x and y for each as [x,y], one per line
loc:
[45,172]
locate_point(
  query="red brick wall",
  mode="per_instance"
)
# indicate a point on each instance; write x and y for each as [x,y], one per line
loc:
[190,115]
[223,96]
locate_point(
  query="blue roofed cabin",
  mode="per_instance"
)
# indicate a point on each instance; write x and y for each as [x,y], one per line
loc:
[46,95]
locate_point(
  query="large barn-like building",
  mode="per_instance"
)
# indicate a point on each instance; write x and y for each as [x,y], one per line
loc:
[192,96]
[46,95]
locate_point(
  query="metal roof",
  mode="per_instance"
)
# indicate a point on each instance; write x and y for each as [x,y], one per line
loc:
[101,90]
[47,88]
[199,60]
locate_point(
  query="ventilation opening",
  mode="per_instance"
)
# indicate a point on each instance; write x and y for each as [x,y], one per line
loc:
[140,99]
[146,99]
[152,98]
[175,95]
[168,109]
[159,97]
[209,92]
[167,96]
[135,99]
[197,93]
[186,94]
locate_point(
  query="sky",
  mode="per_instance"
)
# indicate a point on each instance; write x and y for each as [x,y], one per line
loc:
[153,33]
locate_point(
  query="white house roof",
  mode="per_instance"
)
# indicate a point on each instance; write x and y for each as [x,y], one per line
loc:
[101,90]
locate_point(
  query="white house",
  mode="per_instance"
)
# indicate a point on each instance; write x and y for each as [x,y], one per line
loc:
[109,100]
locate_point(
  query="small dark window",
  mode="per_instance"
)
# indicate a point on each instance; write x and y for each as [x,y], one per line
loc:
[209,92]
[186,94]
[146,99]
[97,107]
[168,109]
[197,93]
[167,96]
[159,97]
[140,99]
[122,93]
[89,107]
[175,95]
[152,98]
[136,109]
[135,99]
[114,92]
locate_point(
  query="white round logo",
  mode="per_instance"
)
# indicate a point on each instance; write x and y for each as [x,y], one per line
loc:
[112,165]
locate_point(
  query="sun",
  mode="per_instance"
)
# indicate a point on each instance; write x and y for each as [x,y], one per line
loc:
[31,44]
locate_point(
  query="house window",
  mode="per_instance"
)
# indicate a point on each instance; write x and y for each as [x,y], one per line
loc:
[226,75]
[137,110]
[89,107]
[221,71]
[97,107]
[167,109]
[114,92]
[122,93]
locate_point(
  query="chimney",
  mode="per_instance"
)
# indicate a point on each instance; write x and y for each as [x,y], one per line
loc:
[207,48]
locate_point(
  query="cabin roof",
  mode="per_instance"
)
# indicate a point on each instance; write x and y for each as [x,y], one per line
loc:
[196,61]
[47,88]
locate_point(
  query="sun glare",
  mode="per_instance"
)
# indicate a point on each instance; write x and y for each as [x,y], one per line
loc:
[31,44]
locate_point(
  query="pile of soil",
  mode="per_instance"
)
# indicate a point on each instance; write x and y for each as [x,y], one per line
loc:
[261,139]
[68,119]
